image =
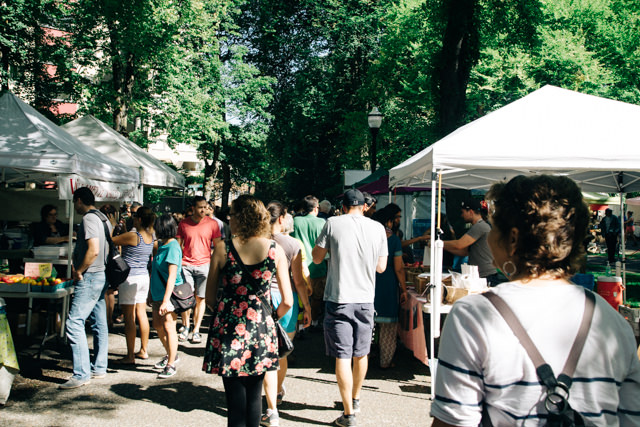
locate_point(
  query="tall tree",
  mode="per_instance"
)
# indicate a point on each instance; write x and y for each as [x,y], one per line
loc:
[123,47]
[34,53]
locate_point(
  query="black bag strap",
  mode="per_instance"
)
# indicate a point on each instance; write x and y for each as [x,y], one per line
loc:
[543,369]
[112,247]
[261,296]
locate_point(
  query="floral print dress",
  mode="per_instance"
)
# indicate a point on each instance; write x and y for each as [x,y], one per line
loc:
[242,340]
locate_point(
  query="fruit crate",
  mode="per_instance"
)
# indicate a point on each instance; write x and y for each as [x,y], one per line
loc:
[48,288]
[14,287]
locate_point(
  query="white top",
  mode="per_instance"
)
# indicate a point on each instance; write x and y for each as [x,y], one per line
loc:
[355,243]
[481,360]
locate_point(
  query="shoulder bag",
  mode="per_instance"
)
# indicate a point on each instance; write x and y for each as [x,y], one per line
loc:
[285,345]
[559,412]
[116,268]
[183,297]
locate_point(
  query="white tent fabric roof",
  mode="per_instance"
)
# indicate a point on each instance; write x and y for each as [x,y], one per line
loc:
[106,140]
[552,130]
[31,145]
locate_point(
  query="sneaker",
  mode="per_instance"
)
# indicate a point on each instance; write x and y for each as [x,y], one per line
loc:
[196,339]
[184,335]
[98,375]
[73,383]
[163,362]
[168,371]
[270,419]
[346,420]
[280,396]
[356,405]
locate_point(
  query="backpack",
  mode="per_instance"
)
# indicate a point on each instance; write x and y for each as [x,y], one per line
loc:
[559,411]
[116,268]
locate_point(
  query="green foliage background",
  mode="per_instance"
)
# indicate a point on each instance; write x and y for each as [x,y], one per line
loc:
[275,93]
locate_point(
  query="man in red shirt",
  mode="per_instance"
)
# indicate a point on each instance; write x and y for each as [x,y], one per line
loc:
[197,234]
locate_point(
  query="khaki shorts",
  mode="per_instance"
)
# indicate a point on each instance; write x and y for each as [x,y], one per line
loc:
[196,276]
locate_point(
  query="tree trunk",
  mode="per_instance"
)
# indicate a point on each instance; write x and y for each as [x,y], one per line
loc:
[210,168]
[226,184]
[459,55]
[4,54]
[122,69]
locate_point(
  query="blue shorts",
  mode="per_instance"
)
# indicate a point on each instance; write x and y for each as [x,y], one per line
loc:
[290,320]
[348,329]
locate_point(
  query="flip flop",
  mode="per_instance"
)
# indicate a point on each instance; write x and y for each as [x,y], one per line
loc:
[138,356]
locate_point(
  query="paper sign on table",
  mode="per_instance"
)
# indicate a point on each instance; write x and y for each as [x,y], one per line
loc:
[38,269]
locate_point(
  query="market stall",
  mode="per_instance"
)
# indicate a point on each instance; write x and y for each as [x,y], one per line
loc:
[35,150]
[594,141]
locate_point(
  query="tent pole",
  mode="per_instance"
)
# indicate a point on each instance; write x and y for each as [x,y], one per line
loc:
[623,245]
[70,212]
[435,305]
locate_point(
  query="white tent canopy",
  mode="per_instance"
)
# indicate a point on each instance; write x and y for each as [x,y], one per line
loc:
[111,144]
[34,148]
[594,141]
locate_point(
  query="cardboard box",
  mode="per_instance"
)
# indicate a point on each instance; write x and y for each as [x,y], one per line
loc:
[633,317]
[18,324]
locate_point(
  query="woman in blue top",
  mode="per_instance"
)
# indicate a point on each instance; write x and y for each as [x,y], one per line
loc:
[165,274]
[137,246]
[386,301]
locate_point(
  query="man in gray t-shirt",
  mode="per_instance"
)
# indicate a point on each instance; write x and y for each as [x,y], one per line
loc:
[357,248]
[89,258]
[474,242]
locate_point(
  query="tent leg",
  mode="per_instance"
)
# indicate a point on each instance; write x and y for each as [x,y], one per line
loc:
[70,210]
[623,247]
[434,323]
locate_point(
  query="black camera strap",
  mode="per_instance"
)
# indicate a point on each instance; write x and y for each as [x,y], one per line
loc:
[557,401]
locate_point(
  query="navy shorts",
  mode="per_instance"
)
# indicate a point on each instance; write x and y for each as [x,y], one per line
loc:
[348,329]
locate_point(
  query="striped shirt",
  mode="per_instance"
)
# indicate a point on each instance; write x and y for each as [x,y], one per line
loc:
[138,256]
[483,363]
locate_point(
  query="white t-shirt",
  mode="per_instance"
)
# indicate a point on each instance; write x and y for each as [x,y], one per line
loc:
[481,360]
[355,243]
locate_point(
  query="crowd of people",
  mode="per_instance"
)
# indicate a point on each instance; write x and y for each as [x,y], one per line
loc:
[341,273]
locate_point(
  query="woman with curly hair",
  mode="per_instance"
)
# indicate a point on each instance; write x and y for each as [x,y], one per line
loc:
[242,343]
[485,375]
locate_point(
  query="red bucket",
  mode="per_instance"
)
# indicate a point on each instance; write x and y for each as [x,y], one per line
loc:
[610,288]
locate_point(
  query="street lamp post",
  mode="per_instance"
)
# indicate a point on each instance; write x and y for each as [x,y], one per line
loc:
[375,120]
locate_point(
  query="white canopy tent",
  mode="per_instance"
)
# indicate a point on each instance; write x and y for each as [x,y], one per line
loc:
[594,141]
[111,144]
[32,148]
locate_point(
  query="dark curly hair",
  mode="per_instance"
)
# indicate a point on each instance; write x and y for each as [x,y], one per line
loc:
[551,218]
[147,217]
[251,218]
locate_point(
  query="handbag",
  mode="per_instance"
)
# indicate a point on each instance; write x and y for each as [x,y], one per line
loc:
[182,297]
[116,268]
[285,345]
[559,411]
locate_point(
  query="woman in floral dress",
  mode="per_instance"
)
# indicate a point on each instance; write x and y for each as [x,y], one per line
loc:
[242,342]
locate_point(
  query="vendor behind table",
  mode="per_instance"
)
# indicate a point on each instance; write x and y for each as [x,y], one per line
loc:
[50,230]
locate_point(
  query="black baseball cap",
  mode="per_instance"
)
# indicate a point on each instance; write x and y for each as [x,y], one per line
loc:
[353,197]
[472,204]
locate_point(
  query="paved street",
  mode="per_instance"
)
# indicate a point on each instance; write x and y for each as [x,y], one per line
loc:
[133,396]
